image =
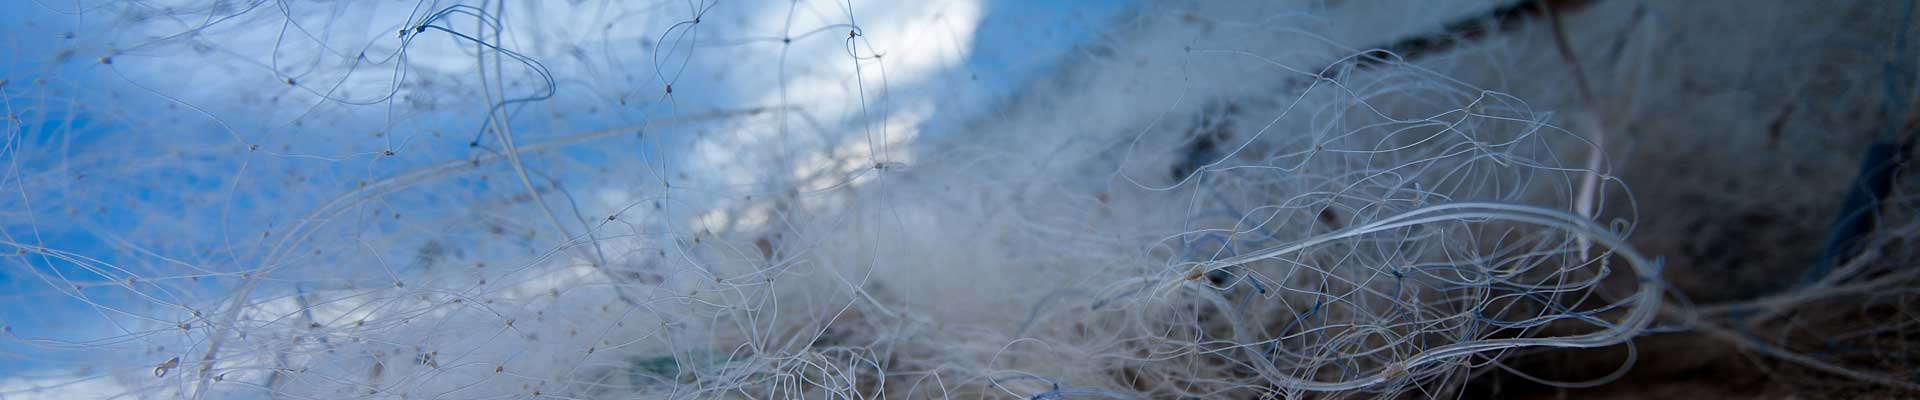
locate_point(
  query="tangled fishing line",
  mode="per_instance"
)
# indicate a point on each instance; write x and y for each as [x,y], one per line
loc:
[275,199]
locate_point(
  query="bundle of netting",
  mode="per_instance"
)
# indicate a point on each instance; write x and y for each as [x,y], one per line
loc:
[793,200]
[1384,231]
